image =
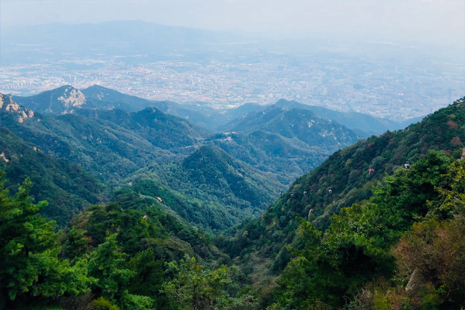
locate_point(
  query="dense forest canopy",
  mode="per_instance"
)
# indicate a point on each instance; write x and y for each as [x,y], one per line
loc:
[145,211]
[397,250]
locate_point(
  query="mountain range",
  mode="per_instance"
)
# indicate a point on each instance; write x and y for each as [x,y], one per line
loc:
[67,99]
[348,176]
[121,139]
[167,209]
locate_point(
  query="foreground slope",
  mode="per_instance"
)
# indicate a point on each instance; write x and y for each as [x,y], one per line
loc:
[345,178]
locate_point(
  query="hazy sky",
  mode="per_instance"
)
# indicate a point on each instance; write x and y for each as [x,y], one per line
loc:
[440,21]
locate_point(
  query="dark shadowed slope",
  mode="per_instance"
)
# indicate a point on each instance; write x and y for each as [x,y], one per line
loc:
[66,187]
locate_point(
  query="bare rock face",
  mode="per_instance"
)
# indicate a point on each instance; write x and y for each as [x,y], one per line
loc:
[62,100]
[414,283]
[72,98]
[8,105]
[4,157]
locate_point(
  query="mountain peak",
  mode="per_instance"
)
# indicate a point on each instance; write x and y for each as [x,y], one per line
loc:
[96,86]
[72,97]
[56,101]
[8,105]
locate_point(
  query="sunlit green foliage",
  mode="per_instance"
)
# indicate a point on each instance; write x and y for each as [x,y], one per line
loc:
[29,263]
[195,287]
[357,248]
[344,179]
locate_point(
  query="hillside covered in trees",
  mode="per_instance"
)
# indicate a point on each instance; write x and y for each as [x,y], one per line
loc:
[395,251]
[149,220]
[103,132]
[342,180]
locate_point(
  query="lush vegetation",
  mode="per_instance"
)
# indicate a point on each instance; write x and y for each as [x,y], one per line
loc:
[66,187]
[343,179]
[217,190]
[286,142]
[402,249]
[303,125]
[208,188]
[212,190]
[362,124]
[161,130]
[110,258]
[100,147]
[66,99]
[378,225]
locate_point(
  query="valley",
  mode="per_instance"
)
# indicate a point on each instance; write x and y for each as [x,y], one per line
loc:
[233,174]
[283,206]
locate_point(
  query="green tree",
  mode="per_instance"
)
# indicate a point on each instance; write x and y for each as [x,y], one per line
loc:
[29,253]
[195,287]
[147,274]
[108,265]
[356,247]
[75,244]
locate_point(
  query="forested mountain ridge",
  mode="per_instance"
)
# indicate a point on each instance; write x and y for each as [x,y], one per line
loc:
[162,130]
[67,99]
[105,97]
[402,249]
[379,225]
[288,158]
[303,125]
[114,144]
[221,189]
[288,143]
[363,124]
[97,146]
[66,187]
[346,177]
[57,101]
[360,122]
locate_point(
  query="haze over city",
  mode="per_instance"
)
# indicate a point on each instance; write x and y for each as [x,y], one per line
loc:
[395,59]
[232,154]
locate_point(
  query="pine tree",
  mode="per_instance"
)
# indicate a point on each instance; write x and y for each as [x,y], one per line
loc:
[29,261]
